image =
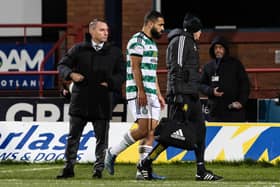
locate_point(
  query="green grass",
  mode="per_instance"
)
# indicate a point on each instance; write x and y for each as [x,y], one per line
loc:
[247,173]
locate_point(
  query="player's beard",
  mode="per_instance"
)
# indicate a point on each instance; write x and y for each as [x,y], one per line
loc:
[155,34]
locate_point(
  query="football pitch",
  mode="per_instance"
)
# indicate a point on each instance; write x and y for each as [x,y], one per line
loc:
[178,174]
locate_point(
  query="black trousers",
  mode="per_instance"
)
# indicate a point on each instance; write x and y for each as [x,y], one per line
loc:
[101,129]
[192,114]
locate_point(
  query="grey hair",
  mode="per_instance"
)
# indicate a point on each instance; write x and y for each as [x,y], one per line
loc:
[94,22]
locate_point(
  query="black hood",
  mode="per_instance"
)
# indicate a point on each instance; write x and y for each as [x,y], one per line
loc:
[173,33]
[177,32]
[219,40]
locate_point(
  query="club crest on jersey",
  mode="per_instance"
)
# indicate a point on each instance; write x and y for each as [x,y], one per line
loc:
[144,110]
[138,49]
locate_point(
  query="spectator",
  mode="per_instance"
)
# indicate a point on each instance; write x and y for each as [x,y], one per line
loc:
[226,83]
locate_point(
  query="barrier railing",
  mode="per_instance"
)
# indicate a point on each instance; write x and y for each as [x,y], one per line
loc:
[255,82]
[78,34]
[261,70]
[254,71]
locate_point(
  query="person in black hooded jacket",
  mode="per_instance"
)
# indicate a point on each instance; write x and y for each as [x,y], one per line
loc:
[182,59]
[226,83]
[96,68]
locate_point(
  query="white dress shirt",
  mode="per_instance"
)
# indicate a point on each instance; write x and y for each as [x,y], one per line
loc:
[97,46]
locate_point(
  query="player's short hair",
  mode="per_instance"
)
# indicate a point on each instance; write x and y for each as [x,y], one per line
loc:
[94,22]
[152,16]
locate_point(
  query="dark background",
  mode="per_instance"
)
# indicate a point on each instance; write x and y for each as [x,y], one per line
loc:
[53,12]
[243,14]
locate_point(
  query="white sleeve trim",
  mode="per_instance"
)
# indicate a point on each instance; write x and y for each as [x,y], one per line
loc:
[181,50]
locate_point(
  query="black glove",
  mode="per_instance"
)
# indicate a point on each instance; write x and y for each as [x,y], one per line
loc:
[178,99]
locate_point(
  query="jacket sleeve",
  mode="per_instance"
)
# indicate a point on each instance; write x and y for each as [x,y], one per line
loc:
[66,64]
[243,79]
[205,82]
[175,72]
[119,73]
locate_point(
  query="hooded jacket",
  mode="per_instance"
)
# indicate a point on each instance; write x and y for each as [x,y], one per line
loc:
[182,60]
[89,99]
[232,80]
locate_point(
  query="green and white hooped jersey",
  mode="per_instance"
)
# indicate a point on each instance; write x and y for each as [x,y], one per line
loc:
[143,46]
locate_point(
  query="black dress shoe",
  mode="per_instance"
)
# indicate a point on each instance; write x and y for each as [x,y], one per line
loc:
[97,174]
[66,173]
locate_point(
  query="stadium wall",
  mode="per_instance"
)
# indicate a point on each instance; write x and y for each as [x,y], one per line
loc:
[255,48]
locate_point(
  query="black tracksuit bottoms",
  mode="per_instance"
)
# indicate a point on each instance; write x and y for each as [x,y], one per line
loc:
[192,115]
